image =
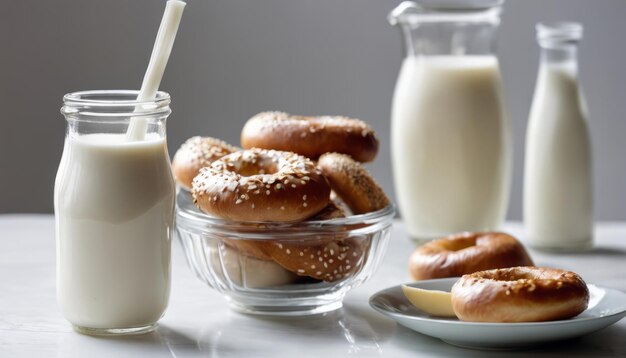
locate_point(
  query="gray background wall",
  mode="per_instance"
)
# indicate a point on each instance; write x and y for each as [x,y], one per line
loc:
[233,59]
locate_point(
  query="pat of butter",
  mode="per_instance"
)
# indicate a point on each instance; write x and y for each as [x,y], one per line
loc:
[436,303]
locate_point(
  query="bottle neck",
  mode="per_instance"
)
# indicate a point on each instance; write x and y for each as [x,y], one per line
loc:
[559,43]
[558,83]
[560,55]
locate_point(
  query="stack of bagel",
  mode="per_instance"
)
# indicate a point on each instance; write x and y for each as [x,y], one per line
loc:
[289,169]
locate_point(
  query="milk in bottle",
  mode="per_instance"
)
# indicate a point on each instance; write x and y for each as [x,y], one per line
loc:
[557,182]
[114,209]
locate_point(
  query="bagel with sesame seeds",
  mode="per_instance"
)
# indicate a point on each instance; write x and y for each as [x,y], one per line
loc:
[519,294]
[259,185]
[352,183]
[195,154]
[326,260]
[311,136]
[321,259]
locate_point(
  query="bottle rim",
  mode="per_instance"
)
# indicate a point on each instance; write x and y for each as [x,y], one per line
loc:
[559,32]
[114,103]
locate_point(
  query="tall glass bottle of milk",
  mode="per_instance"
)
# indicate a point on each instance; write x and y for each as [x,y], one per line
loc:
[557,181]
[450,135]
[114,209]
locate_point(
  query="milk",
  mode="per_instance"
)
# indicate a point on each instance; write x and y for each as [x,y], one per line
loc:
[450,145]
[114,204]
[557,182]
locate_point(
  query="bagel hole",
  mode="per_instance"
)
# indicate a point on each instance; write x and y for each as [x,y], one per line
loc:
[250,169]
[460,244]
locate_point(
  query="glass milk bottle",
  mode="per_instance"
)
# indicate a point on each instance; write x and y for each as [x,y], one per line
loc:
[450,135]
[114,209]
[557,182]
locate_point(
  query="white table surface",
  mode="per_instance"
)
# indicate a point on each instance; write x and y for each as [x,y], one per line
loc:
[199,323]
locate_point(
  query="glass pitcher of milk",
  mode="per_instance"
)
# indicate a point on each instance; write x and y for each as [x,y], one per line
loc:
[450,135]
[114,210]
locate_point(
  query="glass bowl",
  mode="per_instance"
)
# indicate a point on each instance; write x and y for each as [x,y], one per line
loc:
[214,249]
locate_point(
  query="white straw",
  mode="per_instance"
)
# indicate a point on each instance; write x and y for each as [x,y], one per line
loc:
[156,67]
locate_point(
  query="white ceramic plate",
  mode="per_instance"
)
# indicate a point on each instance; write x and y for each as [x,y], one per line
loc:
[606,307]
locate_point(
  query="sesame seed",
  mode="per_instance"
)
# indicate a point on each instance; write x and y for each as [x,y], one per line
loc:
[300,271]
[293,185]
[348,267]
[267,192]
[313,267]
[288,252]
[318,273]
[304,204]
[280,246]
[239,201]
[301,253]
[282,208]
